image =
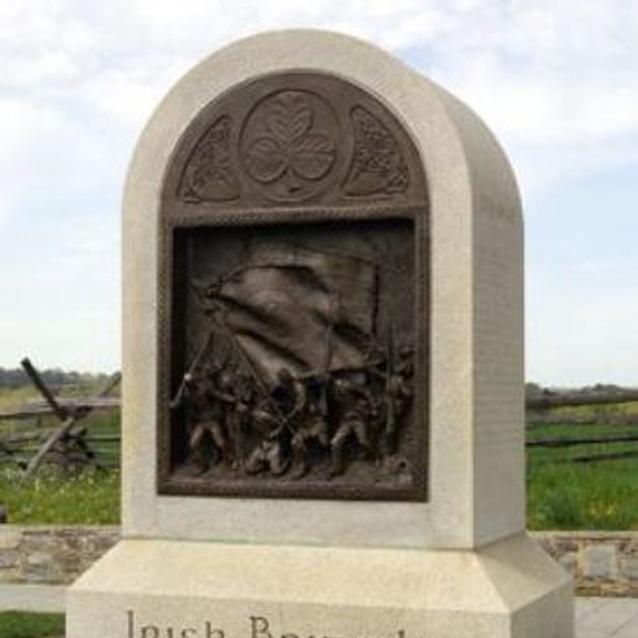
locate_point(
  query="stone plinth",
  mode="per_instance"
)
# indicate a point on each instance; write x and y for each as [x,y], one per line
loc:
[447,557]
[152,589]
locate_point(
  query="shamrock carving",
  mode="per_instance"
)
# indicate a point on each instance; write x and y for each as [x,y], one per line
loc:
[288,143]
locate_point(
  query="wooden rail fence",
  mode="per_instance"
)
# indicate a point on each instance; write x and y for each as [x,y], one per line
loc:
[71,443]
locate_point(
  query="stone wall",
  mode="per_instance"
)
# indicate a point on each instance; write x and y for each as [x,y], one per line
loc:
[603,563]
[50,555]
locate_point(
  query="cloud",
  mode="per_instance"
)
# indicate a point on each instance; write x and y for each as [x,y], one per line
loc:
[580,322]
[550,78]
[557,82]
[63,293]
[5,208]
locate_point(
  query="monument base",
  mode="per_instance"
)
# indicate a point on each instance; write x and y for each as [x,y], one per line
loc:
[169,589]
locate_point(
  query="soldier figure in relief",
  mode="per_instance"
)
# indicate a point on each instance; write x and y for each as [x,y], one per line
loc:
[268,454]
[312,428]
[209,415]
[358,410]
[234,391]
[283,407]
[398,397]
[289,394]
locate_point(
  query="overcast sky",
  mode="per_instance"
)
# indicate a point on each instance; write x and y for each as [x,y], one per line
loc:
[556,81]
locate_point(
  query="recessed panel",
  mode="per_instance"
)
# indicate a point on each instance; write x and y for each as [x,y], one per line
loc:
[293,309]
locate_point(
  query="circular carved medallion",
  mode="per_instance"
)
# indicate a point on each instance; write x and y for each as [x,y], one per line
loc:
[288,145]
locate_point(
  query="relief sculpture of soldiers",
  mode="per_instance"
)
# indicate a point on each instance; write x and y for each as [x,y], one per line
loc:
[292,248]
[291,374]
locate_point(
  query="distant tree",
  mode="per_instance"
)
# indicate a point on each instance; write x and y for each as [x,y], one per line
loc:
[55,377]
[605,388]
[12,378]
[533,390]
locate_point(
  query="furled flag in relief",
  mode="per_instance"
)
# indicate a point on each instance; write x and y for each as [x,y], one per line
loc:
[291,307]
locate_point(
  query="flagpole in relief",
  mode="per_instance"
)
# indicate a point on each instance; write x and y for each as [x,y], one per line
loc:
[191,370]
[323,402]
[219,326]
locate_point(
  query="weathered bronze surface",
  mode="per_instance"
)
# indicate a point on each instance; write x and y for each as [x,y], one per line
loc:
[292,298]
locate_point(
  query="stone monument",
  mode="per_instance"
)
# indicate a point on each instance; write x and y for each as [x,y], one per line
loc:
[323,363]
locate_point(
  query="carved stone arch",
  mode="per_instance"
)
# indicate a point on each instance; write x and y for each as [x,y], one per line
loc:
[307,170]
[295,138]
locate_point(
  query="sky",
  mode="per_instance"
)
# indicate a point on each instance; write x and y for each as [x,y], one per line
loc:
[556,81]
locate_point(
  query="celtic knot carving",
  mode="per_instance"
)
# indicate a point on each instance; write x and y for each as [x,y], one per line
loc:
[209,175]
[378,165]
[288,144]
[302,142]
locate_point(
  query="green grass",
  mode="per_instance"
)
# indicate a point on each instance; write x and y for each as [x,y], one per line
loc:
[13,398]
[15,624]
[599,410]
[571,431]
[600,495]
[51,497]
[90,498]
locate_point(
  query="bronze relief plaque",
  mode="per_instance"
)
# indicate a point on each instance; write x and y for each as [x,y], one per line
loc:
[293,310]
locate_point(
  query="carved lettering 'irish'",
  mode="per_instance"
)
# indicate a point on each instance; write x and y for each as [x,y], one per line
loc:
[253,627]
[200,629]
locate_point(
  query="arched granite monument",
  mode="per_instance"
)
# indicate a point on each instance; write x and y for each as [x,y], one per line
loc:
[323,363]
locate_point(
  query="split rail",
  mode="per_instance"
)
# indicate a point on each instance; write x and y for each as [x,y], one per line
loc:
[57,429]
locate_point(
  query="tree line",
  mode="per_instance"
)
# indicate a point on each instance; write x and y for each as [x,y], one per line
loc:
[55,377]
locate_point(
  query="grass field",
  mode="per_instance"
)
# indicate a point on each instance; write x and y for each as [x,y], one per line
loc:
[597,496]
[601,495]
[11,398]
[562,494]
[90,497]
[29,625]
